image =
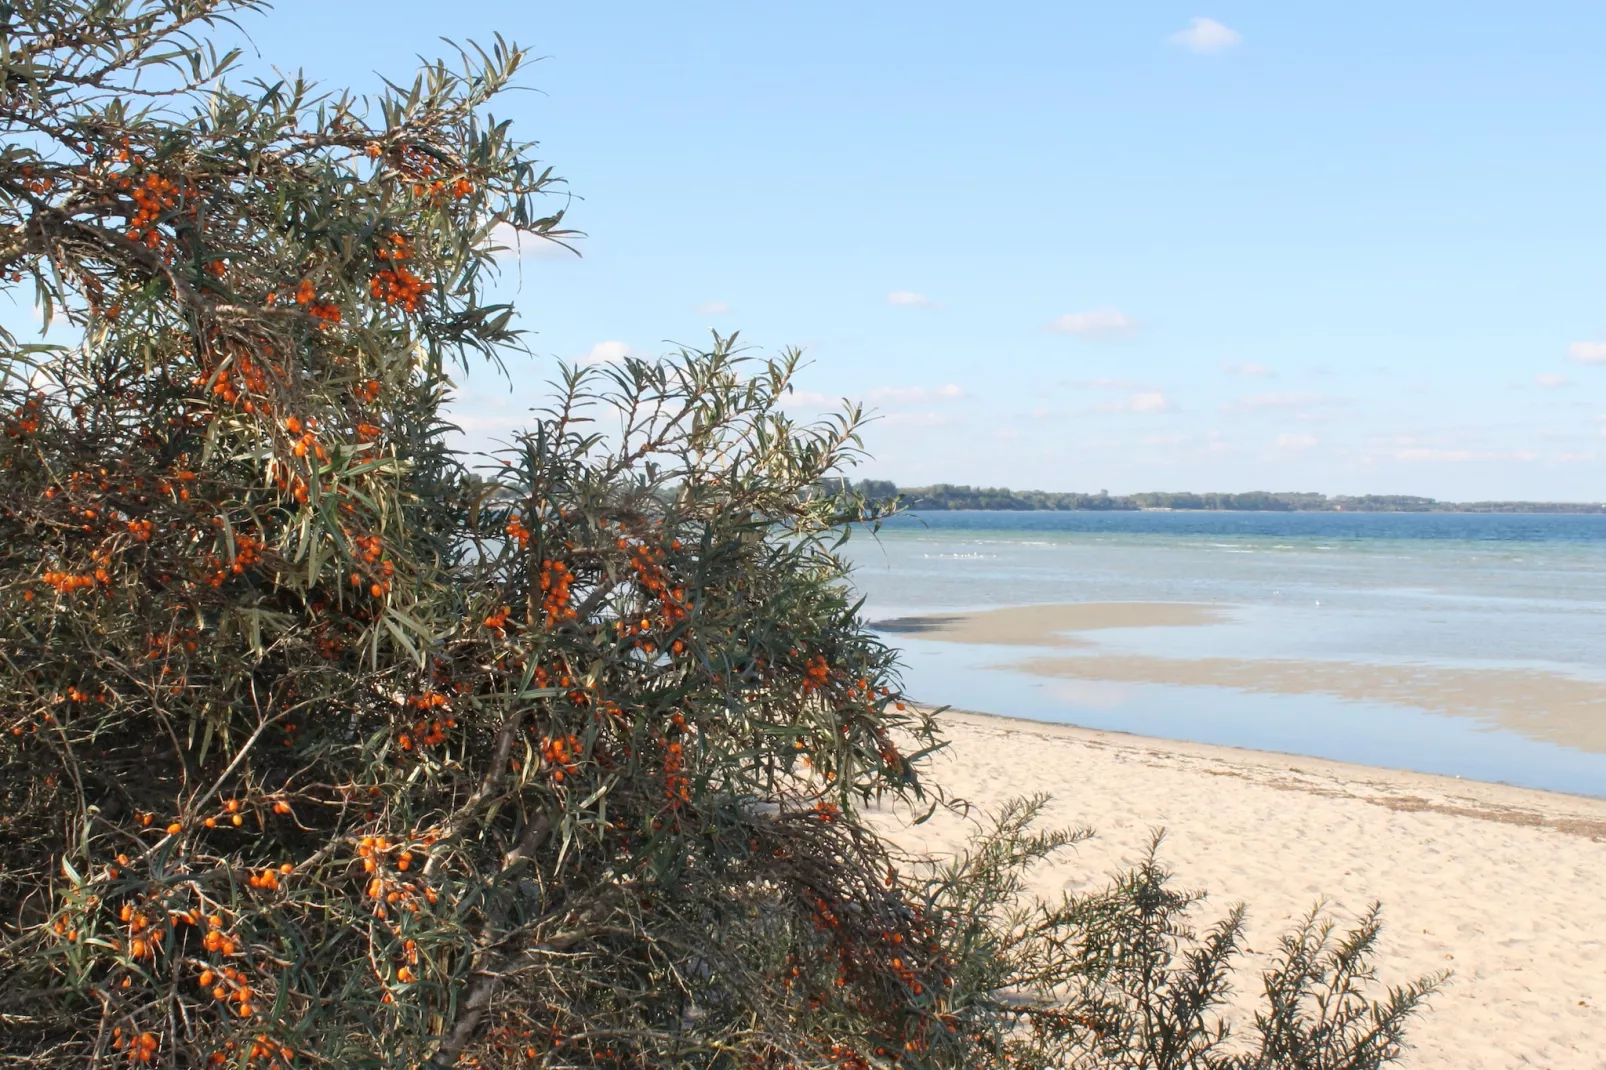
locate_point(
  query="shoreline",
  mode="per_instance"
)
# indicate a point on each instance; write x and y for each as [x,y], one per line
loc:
[1500,884]
[1502,803]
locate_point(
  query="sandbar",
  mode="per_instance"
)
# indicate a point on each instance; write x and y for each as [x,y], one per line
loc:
[1501,885]
[1047,625]
[1546,706]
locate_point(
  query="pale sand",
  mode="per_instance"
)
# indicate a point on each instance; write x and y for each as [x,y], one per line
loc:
[1505,886]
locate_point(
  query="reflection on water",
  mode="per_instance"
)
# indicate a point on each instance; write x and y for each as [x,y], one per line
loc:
[1441,590]
[1398,737]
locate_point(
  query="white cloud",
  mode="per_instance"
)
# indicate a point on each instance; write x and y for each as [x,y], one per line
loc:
[920,419]
[469,422]
[915,393]
[511,244]
[1256,371]
[1588,352]
[1295,443]
[713,308]
[909,299]
[1205,36]
[1458,456]
[1424,454]
[1152,401]
[1098,323]
[807,399]
[606,353]
[1257,402]
[1551,381]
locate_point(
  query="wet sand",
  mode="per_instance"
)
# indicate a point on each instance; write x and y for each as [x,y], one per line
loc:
[1545,706]
[1046,625]
[1500,884]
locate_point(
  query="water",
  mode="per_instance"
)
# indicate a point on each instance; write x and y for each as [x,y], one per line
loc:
[1439,591]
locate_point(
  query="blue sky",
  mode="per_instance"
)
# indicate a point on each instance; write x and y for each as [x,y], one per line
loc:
[1349,248]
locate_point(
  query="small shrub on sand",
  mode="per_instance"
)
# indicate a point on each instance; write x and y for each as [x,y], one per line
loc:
[1118,978]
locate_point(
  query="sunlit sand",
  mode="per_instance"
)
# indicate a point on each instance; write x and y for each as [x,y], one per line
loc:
[1500,884]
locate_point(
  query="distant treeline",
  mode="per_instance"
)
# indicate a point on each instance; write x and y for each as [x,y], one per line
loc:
[951,496]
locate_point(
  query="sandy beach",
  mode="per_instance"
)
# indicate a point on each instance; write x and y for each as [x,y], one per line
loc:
[1502,885]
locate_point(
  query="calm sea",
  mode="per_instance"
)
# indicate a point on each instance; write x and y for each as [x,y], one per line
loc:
[1440,590]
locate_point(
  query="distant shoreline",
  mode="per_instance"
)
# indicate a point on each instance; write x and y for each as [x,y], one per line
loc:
[949,497]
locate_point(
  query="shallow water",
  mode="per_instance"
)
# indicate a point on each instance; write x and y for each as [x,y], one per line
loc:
[1452,591]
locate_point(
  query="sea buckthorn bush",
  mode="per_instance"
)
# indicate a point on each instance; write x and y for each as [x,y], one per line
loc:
[322,744]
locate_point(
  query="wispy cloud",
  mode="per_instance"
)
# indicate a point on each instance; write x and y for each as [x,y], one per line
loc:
[808,399]
[1295,443]
[509,243]
[1107,384]
[947,391]
[607,353]
[920,419]
[1150,402]
[1260,402]
[713,308]
[909,299]
[1462,456]
[1098,323]
[478,422]
[1254,371]
[1551,381]
[1205,36]
[894,395]
[1588,352]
